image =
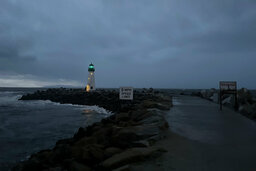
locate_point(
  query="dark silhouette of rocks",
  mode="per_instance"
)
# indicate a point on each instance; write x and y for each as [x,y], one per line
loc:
[103,98]
[124,137]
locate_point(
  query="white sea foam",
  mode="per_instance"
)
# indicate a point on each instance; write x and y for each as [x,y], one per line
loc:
[97,109]
[9,98]
[94,108]
[85,107]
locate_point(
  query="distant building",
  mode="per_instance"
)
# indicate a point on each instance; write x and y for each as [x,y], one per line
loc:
[91,80]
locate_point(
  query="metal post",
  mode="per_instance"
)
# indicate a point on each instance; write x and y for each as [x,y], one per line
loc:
[220,100]
[236,102]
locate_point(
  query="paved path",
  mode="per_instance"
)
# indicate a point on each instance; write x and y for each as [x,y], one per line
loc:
[202,138]
[201,120]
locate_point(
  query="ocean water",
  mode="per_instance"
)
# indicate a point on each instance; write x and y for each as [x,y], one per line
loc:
[30,126]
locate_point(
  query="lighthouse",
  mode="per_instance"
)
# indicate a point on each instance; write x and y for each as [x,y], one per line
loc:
[91,81]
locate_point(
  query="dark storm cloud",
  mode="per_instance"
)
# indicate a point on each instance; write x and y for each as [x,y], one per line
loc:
[139,43]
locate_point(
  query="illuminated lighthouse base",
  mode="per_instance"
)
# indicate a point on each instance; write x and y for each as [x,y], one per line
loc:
[91,80]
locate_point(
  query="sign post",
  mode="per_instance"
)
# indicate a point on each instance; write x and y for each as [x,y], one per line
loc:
[125,96]
[126,93]
[228,87]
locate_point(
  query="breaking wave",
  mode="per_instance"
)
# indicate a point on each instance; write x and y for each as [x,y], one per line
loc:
[9,98]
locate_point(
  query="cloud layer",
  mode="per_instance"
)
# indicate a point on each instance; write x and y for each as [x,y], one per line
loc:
[146,43]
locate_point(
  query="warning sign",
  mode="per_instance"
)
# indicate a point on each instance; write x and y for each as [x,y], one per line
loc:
[126,93]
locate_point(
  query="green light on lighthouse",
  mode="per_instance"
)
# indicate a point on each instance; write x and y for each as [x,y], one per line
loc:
[91,67]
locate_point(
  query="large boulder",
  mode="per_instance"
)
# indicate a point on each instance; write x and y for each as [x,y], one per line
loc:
[54,169]
[245,96]
[157,118]
[140,114]
[248,110]
[88,154]
[112,151]
[122,116]
[129,136]
[156,104]
[245,109]
[60,153]
[129,156]
[76,166]
[123,168]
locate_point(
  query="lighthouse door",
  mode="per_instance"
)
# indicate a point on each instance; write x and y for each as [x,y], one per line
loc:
[87,88]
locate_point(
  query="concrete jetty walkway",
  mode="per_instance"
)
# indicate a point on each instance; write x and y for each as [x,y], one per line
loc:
[202,138]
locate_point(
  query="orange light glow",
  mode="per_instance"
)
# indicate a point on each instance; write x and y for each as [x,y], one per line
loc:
[87,88]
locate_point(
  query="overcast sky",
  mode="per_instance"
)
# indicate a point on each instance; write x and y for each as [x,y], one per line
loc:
[139,43]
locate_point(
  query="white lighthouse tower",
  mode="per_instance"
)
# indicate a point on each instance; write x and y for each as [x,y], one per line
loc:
[91,81]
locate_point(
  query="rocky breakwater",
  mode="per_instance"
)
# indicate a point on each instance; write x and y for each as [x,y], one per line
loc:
[125,137]
[108,99]
[101,98]
[247,103]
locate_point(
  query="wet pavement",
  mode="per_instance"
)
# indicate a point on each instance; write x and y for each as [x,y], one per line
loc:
[201,120]
[210,139]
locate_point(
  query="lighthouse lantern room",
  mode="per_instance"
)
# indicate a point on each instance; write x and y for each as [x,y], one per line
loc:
[91,80]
